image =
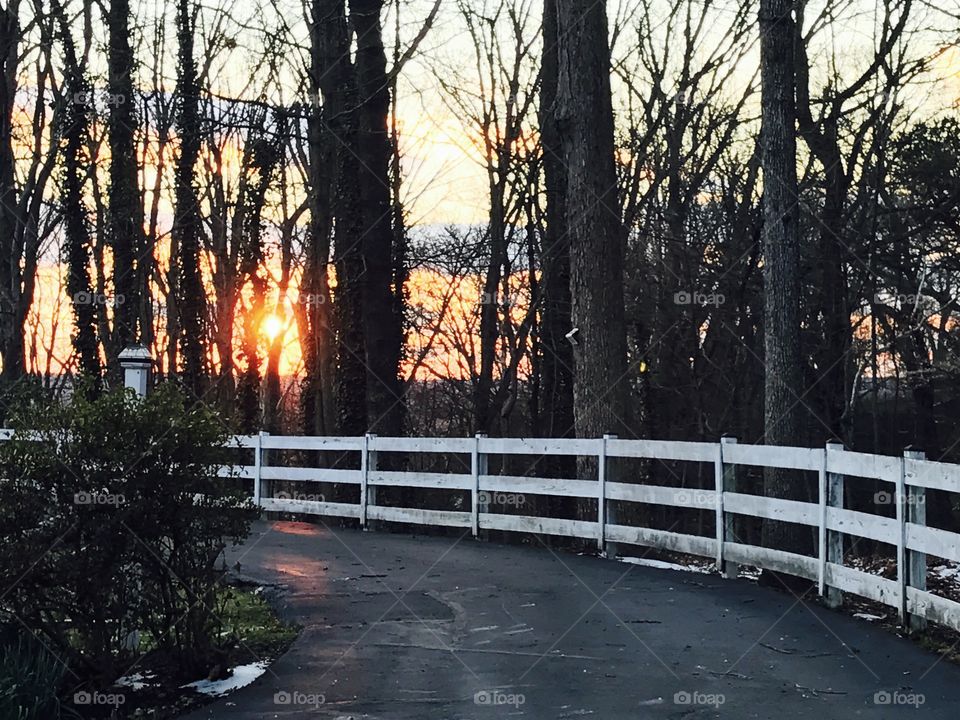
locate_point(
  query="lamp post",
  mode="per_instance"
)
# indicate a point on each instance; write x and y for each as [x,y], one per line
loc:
[136,362]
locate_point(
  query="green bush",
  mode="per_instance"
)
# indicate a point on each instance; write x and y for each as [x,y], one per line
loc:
[29,678]
[112,518]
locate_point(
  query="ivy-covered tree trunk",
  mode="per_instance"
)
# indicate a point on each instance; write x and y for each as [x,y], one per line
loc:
[77,105]
[125,218]
[186,230]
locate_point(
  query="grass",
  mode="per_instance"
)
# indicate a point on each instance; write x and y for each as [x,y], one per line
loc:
[250,623]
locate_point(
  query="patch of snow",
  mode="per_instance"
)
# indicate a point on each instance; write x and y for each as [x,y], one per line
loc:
[947,571]
[869,617]
[242,676]
[646,562]
[136,681]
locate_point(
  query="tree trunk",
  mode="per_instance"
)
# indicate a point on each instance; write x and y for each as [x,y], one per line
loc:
[340,108]
[314,310]
[584,115]
[77,105]
[555,418]
[186,228]
[783,375]
[382,324]
[11,336]
[125,218]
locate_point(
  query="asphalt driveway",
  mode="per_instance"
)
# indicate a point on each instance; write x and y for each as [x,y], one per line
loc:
[399,627]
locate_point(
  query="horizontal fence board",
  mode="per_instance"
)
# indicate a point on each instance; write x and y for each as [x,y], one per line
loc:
[792,511]
[435,481]
[302,474]
[933,607]
[310,507]
[423,445]
[695,498]
[934,475]
[879,467]
[539,486]
[443,518]
[863,584]
[770,559]
[539,446]
[775,456]
[311,442]
[538,525]
[860,524]
[933,541]
[663,450]
[662,540]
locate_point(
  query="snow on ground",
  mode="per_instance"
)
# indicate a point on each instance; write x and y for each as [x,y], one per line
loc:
[646,562]
[242,676]
[136,681]
[948,571]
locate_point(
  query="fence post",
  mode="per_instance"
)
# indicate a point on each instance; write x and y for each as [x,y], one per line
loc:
[364,472]
[915,574]
[478,467]
[259,460]
[725,480]
[833,540]
[604,511]
[368,462]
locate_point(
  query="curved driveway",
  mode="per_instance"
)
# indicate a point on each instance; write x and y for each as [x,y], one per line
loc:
[400,627]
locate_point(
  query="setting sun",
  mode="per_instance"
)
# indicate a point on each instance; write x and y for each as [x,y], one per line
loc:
[272,327]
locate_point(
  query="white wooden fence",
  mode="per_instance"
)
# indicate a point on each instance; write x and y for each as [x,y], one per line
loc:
[906,479]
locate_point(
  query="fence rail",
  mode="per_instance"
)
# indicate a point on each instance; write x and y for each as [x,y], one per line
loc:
[905,481]
[906,478]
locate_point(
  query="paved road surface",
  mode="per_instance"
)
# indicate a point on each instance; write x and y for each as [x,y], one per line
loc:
[423,628]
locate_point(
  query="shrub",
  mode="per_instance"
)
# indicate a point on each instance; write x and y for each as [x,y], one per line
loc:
[112,517]
[29,678]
